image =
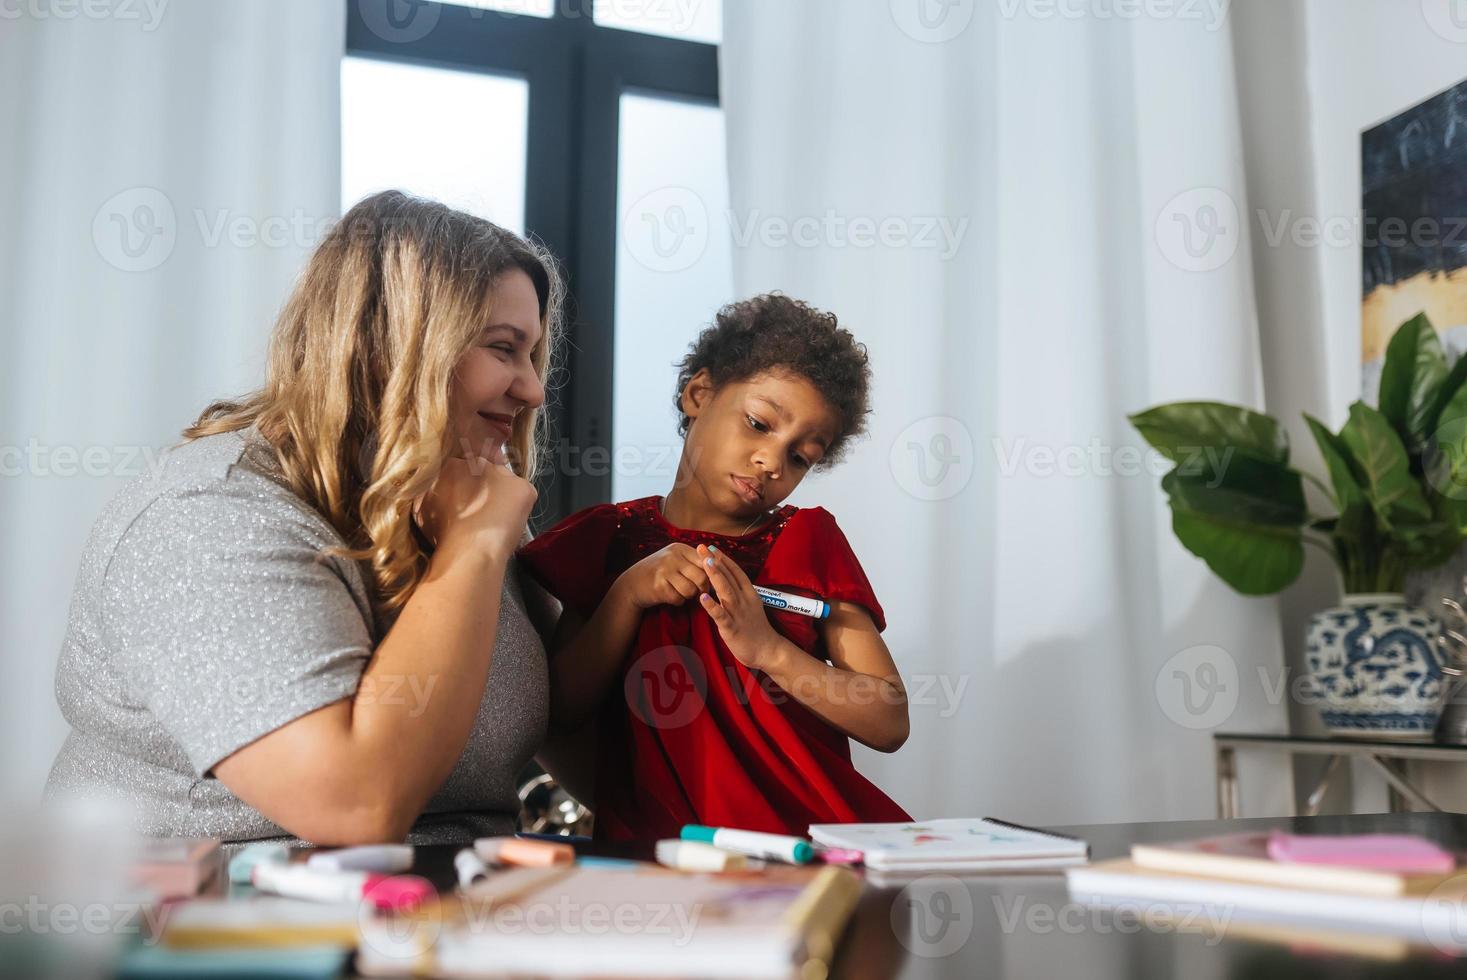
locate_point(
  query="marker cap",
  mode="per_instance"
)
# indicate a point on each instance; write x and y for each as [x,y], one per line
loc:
[258,853]
[695,831]
[771,845]
[398,893]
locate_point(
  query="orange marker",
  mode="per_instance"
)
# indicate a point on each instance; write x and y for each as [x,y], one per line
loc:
[522,852]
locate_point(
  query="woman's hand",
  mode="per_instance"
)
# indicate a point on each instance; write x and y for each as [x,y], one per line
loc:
[738,612]
[476,503]
[669,577]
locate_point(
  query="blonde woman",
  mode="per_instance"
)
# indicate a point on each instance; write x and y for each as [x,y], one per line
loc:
[308,623]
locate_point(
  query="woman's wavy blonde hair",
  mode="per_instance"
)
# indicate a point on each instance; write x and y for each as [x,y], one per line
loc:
[356,394]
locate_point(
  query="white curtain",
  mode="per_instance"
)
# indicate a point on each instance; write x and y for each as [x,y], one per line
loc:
[1030,213]
[164,170]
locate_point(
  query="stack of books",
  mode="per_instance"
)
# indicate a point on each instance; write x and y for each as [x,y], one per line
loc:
[176,867]
[1382,884]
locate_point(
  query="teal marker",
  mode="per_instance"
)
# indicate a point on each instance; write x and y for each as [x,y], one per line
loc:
[771,847]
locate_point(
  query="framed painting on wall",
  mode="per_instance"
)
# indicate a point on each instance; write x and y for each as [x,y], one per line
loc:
[1413,170]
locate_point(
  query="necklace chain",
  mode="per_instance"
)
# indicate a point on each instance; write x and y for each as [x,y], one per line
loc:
[662,509]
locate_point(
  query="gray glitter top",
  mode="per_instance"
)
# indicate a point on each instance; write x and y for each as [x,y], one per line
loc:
[205,616]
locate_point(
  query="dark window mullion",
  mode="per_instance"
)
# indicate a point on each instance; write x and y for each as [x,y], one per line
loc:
[463,38]
[553,163]
[590,382]
[677,70]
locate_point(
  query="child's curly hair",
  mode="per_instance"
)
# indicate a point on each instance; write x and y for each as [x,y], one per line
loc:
[773,332]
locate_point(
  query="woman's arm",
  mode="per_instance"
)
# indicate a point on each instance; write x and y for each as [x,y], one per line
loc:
[361,769]
[859,693]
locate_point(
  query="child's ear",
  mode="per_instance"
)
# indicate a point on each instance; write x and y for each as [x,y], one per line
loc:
[697,393]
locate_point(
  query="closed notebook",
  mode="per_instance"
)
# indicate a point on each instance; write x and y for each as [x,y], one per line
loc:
[953,844]
[1439,917]
[1245,857]
[260,921]
[144,962]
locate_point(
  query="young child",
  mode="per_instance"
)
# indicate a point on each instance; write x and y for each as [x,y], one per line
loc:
[713,708]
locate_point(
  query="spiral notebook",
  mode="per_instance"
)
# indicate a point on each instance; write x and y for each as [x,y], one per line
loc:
[954,844]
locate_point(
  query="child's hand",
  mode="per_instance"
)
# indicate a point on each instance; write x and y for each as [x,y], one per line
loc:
[738,611]
[669,577]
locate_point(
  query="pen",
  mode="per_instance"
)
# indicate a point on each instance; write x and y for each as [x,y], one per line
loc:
[774,847]
[839,855]
[1035,830]
[311,884]
[382,858]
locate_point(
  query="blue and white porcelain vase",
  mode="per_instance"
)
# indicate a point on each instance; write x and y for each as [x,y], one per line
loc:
[1377,667]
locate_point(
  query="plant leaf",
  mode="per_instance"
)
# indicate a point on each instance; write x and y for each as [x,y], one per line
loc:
[1243,516]
[1240,488]
[1354,526]
[1181,430]
[1394,494]
[1255,560]
[1446,392]
[1446,459]
[1410,380]
[1427,545]
[1344,472]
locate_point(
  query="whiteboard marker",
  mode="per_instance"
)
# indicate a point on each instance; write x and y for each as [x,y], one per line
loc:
[789,602]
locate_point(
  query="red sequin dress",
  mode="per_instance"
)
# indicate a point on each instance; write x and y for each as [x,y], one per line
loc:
[689,734]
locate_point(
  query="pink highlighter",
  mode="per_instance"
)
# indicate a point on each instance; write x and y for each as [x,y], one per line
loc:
[1401,853]
[839,855]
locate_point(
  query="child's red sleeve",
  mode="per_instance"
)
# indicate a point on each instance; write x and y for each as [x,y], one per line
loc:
[812,555]
[570,560]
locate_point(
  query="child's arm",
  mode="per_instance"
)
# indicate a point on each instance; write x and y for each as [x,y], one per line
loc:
[860,693]
[585,654]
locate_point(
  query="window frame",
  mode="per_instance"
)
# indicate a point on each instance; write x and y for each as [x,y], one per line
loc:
[576,71]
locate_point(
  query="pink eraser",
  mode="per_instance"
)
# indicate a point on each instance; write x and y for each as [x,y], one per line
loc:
[840,855]
[397,893]
[1402,853]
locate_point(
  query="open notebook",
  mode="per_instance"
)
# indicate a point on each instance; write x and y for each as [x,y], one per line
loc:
[955,844]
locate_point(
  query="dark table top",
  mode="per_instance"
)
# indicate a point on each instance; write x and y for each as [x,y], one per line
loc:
[1025,925]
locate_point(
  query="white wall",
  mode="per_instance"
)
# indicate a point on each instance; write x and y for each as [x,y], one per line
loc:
[206,137]
[1313,74]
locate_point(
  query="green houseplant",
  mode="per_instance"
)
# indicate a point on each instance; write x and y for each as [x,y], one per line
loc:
[1398,485]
